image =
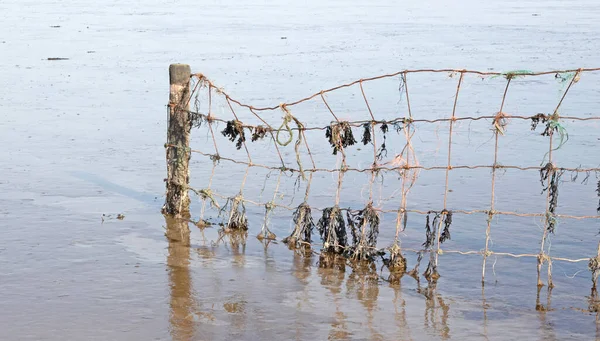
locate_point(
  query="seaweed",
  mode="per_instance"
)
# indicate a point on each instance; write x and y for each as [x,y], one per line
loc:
[196,119]
[235,130]
[431,273]
[340,136]
[598,193]
[536,119]
[332,229]
[551,123]
[384,128]
[446,216]
[237,214]
[429,234]
[366,133]
[303,227]
[258,132]
[382,151]
[548,172]
[396,263]
[265,233]
[398,126]
[445,235]
[364,227]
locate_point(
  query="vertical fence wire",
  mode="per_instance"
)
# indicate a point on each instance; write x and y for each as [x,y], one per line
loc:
[499,124]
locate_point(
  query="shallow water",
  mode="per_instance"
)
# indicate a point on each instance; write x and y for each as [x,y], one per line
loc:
[84,138]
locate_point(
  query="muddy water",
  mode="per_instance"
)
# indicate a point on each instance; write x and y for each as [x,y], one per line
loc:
[83,141]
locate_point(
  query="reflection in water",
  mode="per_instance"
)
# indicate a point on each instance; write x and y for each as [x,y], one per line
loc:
[240,309]
[545,327]
[237,244]
[484,307]
[182,301]
[301,269]
[364,283]
[434,303]
[400,310]
[594,307]
[332,270]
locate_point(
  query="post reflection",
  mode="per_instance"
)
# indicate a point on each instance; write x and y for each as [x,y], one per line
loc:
[182,303]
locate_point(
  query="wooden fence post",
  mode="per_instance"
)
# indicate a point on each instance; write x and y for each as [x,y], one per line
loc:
[177,202]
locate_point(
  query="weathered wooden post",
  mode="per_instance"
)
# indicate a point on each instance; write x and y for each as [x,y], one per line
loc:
[177,202]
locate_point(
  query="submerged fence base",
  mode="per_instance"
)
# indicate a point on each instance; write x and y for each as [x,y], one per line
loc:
[349,232]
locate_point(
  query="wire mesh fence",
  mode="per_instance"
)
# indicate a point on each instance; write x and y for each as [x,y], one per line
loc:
[296,142]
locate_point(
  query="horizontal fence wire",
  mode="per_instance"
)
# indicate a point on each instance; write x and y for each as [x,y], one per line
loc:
[362,225]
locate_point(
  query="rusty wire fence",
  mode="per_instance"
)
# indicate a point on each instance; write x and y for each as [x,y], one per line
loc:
[293,142]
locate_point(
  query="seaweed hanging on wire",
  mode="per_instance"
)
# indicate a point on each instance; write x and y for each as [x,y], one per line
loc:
[429,233]
[237,213]
[382,149]
[303,227]
[196,119]
[431,273]
[536,119]
[446,216]
[598,193]
[332,229]
[235,130]
[364,227]
[398,126]
[552,126]
[258,132]
[339,136]
[366,138]
[447,221]
[396,262]
[265,232]
[550,174]
[427,245]
[430,237]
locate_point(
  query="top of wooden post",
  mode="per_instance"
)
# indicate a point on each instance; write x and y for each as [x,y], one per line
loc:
[179,73]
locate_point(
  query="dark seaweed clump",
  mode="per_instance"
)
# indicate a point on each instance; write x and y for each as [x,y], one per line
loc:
[332,229]
[366,133]
[598,192]
[303,227]
[235,130]
[536,119]
[429,233]
[259,133]
[196,119]
[544,119]
[396,261]
[548,172]
[364,227]
[340,136]
[446,217]
[430,237]
[237,213]
[382,152]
